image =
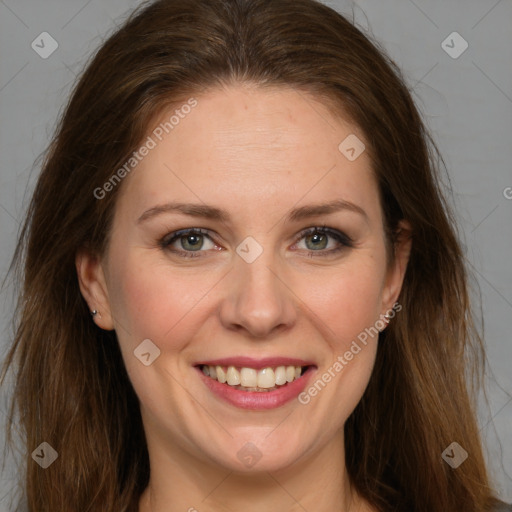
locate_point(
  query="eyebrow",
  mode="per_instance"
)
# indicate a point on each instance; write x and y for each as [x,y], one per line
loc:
[214,213]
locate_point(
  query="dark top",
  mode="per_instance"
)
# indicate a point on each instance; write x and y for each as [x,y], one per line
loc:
[503,507]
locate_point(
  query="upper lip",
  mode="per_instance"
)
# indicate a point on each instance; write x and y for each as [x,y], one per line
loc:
[257,364]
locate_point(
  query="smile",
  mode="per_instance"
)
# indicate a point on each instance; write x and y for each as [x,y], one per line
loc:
[251,379]
[256,384]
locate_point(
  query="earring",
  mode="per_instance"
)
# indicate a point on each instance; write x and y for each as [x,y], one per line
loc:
[384,321]
[94,313]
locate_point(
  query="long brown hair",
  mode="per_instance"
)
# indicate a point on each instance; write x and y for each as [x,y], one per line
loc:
[72,389]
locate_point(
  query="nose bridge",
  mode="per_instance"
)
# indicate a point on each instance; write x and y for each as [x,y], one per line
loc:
[257,299]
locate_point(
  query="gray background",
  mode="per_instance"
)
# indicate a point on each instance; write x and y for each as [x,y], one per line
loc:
[466,101]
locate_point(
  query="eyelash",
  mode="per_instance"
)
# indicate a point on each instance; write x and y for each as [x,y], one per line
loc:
[344,241]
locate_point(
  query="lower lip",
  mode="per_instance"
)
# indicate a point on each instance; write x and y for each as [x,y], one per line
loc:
[258,400]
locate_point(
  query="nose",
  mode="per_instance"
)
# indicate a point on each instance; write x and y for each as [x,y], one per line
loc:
[258,300]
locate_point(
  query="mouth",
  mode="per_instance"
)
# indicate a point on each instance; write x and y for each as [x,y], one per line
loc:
[254,380]
[252,384]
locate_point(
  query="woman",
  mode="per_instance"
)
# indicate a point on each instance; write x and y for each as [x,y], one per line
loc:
[242,285]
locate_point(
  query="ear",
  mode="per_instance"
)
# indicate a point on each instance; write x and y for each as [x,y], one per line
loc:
[91,279]
[396,269]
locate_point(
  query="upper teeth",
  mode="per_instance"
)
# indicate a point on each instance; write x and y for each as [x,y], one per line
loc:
[251,378]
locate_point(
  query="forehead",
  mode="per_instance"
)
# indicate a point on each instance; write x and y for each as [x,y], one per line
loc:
[253,145]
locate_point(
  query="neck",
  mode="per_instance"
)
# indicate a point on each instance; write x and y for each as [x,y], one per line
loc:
[316,482]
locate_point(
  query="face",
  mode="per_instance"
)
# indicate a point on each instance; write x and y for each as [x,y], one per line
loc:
[267,280]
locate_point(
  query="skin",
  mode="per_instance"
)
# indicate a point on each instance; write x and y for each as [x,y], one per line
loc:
[257,153]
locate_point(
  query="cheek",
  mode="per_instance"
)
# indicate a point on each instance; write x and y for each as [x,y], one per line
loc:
[348,301]
[350,307]
[152,300]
